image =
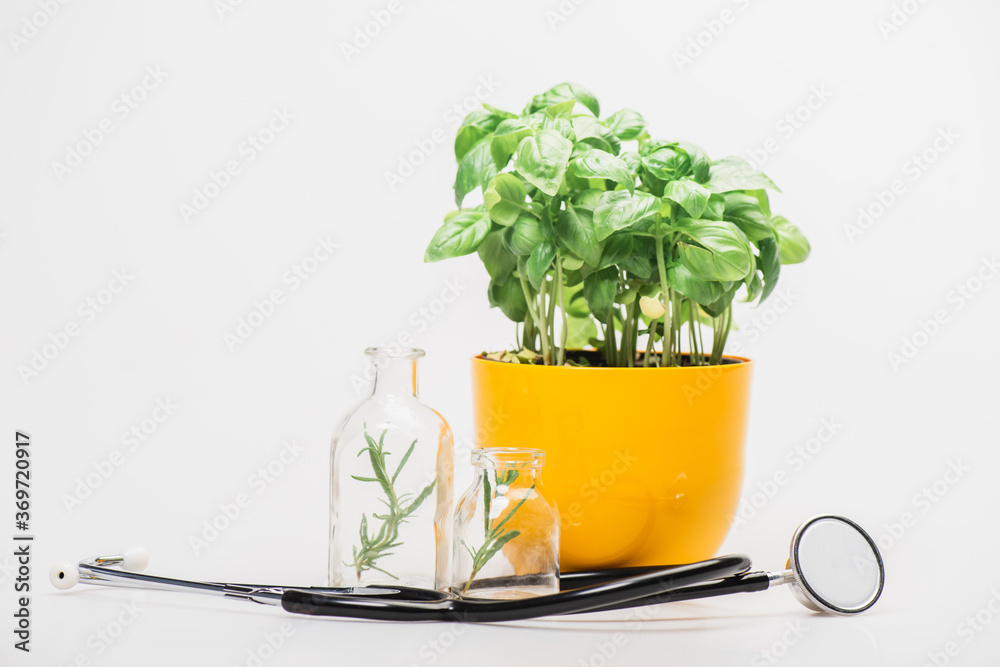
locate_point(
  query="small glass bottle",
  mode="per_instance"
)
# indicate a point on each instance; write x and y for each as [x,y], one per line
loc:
[391,484]
[506,532]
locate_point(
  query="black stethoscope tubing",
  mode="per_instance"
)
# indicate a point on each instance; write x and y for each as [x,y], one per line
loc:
[582,592]
[605,590]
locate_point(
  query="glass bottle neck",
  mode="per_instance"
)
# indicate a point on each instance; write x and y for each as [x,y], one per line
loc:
[510,476]
[394,376]
[508,462]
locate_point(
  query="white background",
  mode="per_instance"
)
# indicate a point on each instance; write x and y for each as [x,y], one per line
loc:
[884,97]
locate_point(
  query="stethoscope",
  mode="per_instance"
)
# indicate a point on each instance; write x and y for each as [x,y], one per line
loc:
[833,567]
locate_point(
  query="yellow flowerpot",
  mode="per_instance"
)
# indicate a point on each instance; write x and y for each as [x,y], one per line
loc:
[644,464]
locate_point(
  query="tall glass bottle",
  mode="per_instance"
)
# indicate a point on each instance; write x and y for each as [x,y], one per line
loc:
[391,484]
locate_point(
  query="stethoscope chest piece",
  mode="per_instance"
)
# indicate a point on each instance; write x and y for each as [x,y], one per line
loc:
[835,566]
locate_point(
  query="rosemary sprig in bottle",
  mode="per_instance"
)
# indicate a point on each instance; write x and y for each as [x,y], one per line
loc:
[496,537]
[374,547]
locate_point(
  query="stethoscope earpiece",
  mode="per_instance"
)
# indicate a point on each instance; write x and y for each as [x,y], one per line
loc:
[65,576]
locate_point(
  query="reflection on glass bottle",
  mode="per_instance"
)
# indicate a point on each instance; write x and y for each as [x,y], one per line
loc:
[391,484]
[506,531]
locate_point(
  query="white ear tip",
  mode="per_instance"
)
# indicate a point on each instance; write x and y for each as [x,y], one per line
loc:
[64,576]
[135,559]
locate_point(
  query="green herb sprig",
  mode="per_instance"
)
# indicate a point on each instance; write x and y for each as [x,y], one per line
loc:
[496,537]
[401,507]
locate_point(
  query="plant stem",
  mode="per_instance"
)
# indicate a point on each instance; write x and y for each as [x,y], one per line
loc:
[701,341]
[610,344]
[561,356]
[633,330]
[620,362]
[649,345]
[661,265]
[604,348]
[692,344]
[551,317]
[721,326]
[543,329]
[677,325]
[623,352]
[716,335]
[539,323]
[530,338]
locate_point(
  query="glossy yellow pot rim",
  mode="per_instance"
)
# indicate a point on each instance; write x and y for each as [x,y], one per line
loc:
[540,368]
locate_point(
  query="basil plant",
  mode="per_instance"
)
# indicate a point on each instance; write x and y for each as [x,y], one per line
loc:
[594,233]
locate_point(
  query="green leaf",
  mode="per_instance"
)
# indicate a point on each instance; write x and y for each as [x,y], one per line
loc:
[765,204]
[754,285]
[700,291]
[499,261]
[723,254]
[386,572]
[595,133]
[504,199]
[700,164]
[632,161]
[743,210]
[539,262]
[508,296]
[573,277]
[498,545]
[576,305]
[715,208]
[459,236]
[541,160]
[579,331]
[474,171]
[406,457]
[667,164]
[495,530]
[474,128]
[791,242]
[618,210]
[524,235]
[600,289]
[561,110]
[719,306]
[411,508]
[735,173]
[640,263]
[691,196]
[616,248]
[587,199]
[377,460]
[561,93]
[599,164]
[561,125]
[648,146]
[506,138]
[769,261]
[626,124]
[499,113]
